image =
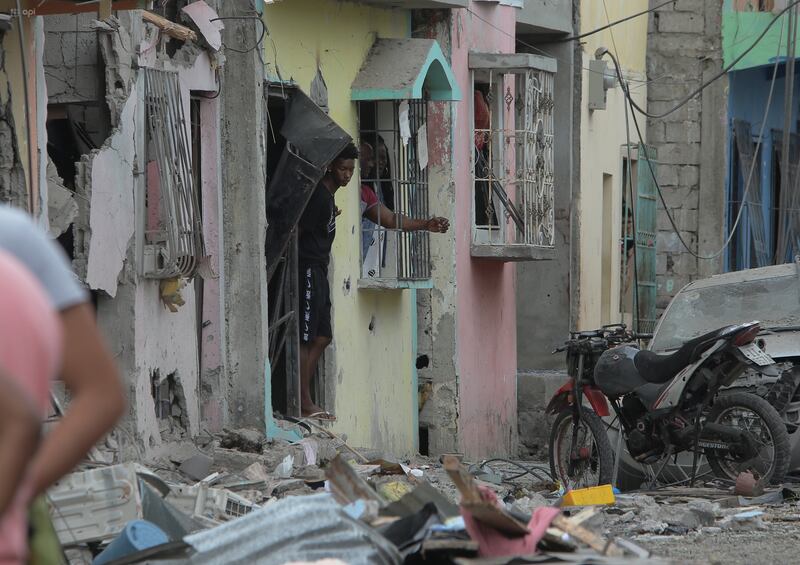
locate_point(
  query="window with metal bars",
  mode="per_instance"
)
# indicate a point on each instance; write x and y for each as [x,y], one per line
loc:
[174,244]
[512,163]
[395,133]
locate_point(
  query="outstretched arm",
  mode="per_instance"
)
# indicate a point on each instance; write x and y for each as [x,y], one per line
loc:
[382,216]
[97,398]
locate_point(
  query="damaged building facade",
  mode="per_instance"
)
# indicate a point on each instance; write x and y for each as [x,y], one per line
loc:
[162,189]
[424,355]
[124,130]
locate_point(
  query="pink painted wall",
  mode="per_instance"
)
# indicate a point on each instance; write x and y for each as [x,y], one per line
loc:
[486,347]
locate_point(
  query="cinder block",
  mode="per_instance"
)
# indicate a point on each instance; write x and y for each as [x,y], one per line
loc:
[679,153]
[687,132]
[681,22]
[689,176]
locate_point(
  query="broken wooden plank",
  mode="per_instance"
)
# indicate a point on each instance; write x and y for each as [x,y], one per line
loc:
[172,29]
[593,540]
[483,511]
[104,10]
[346,485]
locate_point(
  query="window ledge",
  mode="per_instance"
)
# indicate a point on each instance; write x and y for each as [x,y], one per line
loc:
[512,252]
[392,284]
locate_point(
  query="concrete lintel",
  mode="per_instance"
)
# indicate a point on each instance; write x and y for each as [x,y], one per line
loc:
[392,284]
[511,253]
[512,62]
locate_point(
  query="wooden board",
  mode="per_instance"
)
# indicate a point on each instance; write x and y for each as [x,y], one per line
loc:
[50,7]
[593,540]
[483,511]
[104,10]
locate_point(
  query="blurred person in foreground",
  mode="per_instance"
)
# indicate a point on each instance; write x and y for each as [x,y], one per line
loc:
[30,353]
[87,368]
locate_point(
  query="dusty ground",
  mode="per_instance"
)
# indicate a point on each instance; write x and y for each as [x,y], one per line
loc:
[777,545]
[680,525]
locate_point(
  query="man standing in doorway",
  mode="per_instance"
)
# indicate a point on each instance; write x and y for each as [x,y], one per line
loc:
[317,230]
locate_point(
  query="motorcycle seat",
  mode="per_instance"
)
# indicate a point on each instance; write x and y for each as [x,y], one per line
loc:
[655,368]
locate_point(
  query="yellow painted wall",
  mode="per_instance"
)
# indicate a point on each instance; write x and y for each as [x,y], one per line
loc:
[374,397]
[602,139]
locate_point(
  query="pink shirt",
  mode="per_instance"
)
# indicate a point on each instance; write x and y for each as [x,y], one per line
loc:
[30,354]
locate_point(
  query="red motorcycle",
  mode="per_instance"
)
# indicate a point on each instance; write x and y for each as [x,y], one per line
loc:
[664,405]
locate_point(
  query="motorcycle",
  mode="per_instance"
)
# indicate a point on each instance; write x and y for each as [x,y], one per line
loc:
[665,405]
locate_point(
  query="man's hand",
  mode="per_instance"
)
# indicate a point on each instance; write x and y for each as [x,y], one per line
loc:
[437,224]
[338,211]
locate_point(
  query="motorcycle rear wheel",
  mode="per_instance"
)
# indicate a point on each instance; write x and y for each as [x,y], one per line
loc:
[754,414]
[595,458]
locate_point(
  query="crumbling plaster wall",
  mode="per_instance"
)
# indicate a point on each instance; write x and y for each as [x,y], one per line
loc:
[12,173]
[72,60]
[436,308]
[14,156]
[148,341]
[684,47]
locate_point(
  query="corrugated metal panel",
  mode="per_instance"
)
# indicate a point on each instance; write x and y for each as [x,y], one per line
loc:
[303,528]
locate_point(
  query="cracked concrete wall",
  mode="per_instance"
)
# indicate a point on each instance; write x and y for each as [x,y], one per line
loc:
[685,44]
[12,173]
[14,183]
[146,339]
[72,60]
[112,220]
[436,308]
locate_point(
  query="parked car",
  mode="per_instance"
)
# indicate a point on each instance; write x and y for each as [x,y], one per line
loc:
[770,295]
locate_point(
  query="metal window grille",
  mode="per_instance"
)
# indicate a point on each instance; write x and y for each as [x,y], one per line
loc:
[401,184]
[180,239]
[513,160]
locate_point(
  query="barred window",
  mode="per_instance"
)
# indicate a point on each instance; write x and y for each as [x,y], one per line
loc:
[394,153]
[512,160]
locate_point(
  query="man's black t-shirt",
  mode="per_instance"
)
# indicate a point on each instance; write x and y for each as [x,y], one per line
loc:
[317,228]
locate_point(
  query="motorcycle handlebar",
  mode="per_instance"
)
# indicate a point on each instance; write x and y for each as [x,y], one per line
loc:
[619,335]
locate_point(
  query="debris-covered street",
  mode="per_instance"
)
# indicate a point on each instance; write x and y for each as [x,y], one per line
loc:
[275,502]
[350,282]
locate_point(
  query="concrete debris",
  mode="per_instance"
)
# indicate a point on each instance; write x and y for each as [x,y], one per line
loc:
[284,470]
[197,466]
[365,509]
[62,209]
[256,472]
[251,441]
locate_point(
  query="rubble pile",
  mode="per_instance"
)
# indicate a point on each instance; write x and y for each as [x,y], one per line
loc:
[239,499]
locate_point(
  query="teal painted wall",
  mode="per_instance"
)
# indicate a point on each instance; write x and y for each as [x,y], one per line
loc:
[741,29]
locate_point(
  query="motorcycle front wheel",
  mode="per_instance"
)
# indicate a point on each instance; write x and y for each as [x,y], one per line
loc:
[766,428]
[591,463]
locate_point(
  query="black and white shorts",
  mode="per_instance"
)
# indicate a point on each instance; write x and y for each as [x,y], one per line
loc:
[315,303]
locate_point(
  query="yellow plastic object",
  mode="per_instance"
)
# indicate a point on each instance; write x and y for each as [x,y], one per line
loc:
[589,496]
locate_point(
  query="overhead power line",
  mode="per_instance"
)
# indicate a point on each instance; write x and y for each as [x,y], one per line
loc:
[615,23]
[748,184]
[685,100]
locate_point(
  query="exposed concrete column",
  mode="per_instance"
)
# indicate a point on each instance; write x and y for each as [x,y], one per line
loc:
[244,225]
[713,129]
[685,43]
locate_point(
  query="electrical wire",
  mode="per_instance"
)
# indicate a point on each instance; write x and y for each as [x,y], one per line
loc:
[260,39]
[614,23]
[748,184]
[535,472]
[540,50]
[686,99]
